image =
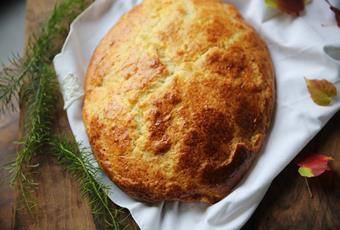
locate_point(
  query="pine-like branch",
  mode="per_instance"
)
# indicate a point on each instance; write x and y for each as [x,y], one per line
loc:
[80,163]
[33,80]
[38,123]
[40,50]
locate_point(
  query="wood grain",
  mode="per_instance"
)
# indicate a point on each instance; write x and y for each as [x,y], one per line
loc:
[9,126]
[287,204]
[60,204]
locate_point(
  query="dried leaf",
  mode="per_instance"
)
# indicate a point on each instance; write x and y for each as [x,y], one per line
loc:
[271,3]
[314,165]
[336,11]
[321,91]
[337,15]
[293,7]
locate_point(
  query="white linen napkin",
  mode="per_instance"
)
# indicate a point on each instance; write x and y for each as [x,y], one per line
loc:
[299,48]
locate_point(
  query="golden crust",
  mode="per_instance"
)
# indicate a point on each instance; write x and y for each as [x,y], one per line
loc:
[179,97]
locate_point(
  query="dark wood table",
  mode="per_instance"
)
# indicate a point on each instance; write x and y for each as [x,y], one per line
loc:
[287,204]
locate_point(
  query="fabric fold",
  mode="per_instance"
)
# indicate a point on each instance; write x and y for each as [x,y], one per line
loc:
[300,47]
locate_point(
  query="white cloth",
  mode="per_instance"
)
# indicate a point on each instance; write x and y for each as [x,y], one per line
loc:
[297,49]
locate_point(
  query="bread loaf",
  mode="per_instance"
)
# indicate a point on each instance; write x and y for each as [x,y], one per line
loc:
[178,100]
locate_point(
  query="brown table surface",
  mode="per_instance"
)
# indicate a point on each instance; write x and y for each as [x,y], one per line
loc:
[287,204]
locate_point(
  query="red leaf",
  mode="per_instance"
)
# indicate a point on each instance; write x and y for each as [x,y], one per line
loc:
[293,7]
[336,12]
[314,165]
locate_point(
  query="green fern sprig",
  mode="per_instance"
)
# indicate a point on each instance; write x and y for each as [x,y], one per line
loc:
[40,50]
[11,80]
[37,130]
[33,80]
[79,162]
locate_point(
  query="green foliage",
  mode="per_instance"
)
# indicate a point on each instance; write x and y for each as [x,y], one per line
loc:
[40,99]
[79,162]
[31,80]
[40,51]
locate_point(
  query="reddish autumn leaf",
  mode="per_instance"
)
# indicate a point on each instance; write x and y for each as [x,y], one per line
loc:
[293,7]
[314,165]
[321,91]
[336,11]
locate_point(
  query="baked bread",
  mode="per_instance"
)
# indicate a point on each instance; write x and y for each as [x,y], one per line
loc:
[178,100]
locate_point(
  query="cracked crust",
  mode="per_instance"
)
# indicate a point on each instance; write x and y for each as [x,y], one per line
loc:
[179,97]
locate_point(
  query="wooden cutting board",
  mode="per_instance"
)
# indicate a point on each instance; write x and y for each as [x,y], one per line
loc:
[287,204]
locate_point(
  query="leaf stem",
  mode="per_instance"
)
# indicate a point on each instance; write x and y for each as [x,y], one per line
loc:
[308,187]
